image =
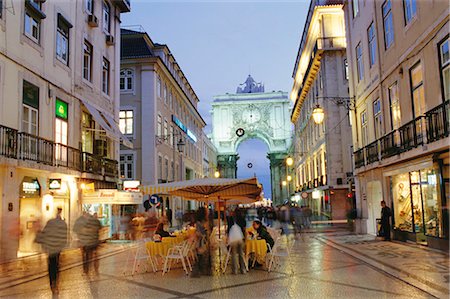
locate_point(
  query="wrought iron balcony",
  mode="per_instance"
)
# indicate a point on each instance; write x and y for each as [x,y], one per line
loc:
[110,167]
[412,133]
[372,150]
[67,156]
[92,164]
[8,142]
[389,144]
[34,148]
[359,158]
[438,122]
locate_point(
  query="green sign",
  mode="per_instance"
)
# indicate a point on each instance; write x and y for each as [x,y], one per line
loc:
[61,109]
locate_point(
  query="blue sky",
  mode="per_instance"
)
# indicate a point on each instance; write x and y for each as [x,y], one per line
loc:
[218,43]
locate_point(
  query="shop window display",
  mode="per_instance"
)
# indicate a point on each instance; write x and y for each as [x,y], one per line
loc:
[401,194]
[431,200]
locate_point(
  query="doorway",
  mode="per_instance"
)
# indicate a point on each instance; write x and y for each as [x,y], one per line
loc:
[374,197]
[417,207]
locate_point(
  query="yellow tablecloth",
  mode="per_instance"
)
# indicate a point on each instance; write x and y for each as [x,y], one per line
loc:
[258,247]
[158,248]
[173,240]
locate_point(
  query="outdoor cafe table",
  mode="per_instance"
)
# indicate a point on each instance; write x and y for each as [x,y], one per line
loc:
[158,248]
[173,240]
[258,247]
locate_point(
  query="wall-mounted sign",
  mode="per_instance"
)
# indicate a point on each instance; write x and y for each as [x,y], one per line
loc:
[131,185]
[54,184]
[183,128]
[240,132]
[30,187]
[249,165]
[304,195]
[61,109]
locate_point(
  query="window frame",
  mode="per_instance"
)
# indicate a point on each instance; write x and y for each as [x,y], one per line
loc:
[127,75]
[388,17]
[413,4]
[60,24]
[126,163]
[372,43]
[89,8]
[443,66]
[359,62]
[124,120]
[29,16]
[414,88]
[87,52]
[355,8]
[378,119]
[394,100]
[106,17]
[364,128]
[106,76]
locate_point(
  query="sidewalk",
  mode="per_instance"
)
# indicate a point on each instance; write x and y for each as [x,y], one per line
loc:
[33,267]
[419,266]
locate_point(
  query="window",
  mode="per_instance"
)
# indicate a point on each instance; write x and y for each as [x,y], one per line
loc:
[166,133]
[445,67]
[170,100]
[105,76]
[417,90]
[410,10]
[32,27]
[388,24]
[395,106]
[165,94]
[171,136]
[126,79]
[106,17]
[166,167]
[378,118]
[90,6]
[30,108]
[372,44]
[359,62]
[87,61]
[159,125]
[160,168]
[126,121]
[61,138]
[355,8]
[1,9]
[127,166]
[62,40]
[364,137]
[158,87]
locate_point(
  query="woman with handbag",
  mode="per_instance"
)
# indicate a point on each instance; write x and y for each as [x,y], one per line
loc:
[236,239]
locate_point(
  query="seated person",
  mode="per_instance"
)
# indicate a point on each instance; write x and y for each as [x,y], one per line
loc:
[263,233]
[160,231]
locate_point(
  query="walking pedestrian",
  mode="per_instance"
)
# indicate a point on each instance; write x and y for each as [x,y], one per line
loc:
[169,216]
[385,229]
[87,227]
[236,239]
[201,239]
[179,217]
[53,239]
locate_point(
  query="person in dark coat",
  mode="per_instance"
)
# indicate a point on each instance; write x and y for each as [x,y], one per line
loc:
[263,233]
[169,216]
[385,229]
[160,231]
[53,239]
[87,227]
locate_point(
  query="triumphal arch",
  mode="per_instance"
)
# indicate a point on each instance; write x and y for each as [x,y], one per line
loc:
[248,114]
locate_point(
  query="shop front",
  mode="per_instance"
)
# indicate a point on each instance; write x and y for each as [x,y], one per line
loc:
[114,209]
[417,203]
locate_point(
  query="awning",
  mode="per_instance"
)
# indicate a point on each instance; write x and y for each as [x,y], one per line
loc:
[108,124]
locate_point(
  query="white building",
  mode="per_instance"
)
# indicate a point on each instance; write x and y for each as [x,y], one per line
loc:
[58,71]
[159,113]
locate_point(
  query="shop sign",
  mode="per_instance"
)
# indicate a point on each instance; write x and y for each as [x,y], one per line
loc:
[61,108]
[304,195]
[106,193]
[131,185]
[54,184]
[184,128]
[30,187]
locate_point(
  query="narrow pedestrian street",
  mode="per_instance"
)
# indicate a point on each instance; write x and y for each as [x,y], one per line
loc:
[323,265]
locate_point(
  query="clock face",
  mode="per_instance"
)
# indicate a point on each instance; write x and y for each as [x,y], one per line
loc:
[251,115]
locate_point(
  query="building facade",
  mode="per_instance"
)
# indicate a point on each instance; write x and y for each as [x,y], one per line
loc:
[209,153]
[58,112]
[159,113]
[322,152]
[398,53]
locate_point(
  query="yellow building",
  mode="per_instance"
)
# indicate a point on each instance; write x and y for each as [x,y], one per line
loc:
[399,76]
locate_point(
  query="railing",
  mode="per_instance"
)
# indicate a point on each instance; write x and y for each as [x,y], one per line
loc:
[92,164]
[438,122]
[8,142]
[67,156]
[425,129]
[389,144]
[110,167]
[372,152]
[359,158]
[35,148]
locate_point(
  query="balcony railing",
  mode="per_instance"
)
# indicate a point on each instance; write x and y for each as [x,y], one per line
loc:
[35,148]
[8,142]
[24,146]
[389,144]
[425,129]
[372,152]
[438,122]
[110,167]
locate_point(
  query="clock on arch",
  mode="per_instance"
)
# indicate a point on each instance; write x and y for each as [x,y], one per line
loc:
[251,114]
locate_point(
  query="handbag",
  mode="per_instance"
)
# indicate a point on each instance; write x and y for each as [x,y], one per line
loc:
[235,234]
[203,246]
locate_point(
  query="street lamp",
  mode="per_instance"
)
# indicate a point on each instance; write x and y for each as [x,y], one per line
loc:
[284,183]
[180,145]
[216,174]
[318,114]
[289,178]
[289,161]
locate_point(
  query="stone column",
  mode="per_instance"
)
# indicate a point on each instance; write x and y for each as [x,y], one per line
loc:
[277,175]
[227,165]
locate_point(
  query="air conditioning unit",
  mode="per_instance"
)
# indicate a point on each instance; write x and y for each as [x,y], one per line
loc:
[101,148]
[92,21]
[110,40]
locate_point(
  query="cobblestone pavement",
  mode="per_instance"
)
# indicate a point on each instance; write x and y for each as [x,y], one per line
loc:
[316,269]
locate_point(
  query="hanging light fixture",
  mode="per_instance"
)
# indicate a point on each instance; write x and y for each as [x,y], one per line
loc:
[180,145]
[289,161]
[318,114]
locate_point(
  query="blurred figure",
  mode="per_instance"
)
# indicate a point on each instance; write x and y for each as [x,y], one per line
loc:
[201,239]
[236,239]
[87,227]
[53,239]
[169,216]
[179,217]
[263,233]
[307,213]
[160,230]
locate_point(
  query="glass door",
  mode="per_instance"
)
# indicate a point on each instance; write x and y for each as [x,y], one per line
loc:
[417,207]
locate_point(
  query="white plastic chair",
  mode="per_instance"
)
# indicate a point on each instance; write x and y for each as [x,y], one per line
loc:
[280,249]
[179,252]
[223,248]
[142,254]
